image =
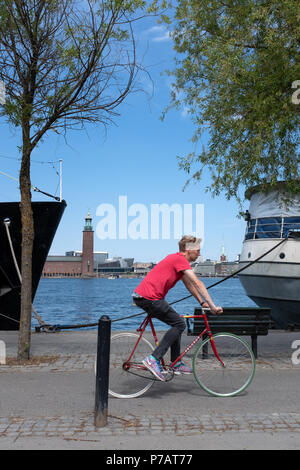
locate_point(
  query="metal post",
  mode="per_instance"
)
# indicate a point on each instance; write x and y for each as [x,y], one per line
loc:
[102,371]
[60,180]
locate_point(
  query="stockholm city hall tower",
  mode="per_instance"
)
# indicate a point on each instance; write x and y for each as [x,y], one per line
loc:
[87,260]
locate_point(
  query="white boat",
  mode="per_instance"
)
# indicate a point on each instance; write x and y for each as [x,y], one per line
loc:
[273,281]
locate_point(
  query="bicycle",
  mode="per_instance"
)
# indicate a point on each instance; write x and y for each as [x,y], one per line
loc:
[223,363]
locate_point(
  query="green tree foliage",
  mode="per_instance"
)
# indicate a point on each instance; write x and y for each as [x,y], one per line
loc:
[237,61]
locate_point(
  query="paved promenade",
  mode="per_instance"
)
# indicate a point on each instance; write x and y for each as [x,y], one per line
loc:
[49,404]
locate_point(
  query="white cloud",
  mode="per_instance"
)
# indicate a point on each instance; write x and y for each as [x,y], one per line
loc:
[185,111]
[158,34]
[165,37]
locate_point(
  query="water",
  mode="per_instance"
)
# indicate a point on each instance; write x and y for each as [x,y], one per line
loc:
[81,301]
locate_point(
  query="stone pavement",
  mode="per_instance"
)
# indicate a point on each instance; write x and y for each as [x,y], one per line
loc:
[53,399]
[82,426]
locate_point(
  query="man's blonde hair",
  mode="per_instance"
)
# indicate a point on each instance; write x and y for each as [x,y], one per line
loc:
[189,242]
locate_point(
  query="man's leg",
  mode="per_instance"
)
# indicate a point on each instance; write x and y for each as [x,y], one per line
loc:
[161,310]
[172,337]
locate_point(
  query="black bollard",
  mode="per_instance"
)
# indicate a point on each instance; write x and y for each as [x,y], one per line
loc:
[102,371]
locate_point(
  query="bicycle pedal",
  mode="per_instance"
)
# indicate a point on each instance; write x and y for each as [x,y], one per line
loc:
[169,373]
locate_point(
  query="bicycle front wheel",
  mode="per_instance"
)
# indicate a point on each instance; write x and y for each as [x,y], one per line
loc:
[128,378]
[229,375]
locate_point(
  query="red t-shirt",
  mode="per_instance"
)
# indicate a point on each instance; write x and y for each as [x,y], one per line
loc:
[163,277]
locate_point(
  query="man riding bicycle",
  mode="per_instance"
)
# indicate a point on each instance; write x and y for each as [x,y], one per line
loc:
[150,296]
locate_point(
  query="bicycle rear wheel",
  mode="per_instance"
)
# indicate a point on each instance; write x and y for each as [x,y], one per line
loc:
[231,377]
[129,379]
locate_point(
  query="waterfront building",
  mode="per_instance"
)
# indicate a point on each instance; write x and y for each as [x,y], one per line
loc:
[62,266]
[205,268]
[221,268]
[225,268]
[116,265]
[99,258]
[142,268]
[86,263]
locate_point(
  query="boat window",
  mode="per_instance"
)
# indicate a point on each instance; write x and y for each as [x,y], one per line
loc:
[272,227]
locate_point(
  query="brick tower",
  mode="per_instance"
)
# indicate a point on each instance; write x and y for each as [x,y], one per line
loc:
[87,263]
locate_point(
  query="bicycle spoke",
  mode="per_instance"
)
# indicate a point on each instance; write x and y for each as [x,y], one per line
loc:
[233,374]
[129,379]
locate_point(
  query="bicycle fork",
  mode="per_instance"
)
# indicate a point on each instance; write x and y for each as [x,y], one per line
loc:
[215,351]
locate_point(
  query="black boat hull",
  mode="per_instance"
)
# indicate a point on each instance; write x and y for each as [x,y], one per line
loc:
[47,216]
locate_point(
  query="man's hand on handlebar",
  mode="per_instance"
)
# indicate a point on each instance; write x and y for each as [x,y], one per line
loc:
[214,310]
[205,305]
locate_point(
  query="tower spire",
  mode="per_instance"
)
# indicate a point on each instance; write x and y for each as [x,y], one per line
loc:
[88,223]
[223,256]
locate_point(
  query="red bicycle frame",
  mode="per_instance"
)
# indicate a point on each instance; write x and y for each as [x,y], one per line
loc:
[206,331]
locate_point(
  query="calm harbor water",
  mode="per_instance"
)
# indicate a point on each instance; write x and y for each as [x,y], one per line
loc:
[81,301]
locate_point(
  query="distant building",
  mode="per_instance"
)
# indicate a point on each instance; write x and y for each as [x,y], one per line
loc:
[66,266]
[116,265]
[142,268]
[226,268]
[206,268]
[86,263]
[211,268]
[74,263]
[99,258]
[221,268]
[87,256]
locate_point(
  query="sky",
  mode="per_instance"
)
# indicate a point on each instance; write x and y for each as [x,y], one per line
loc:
[132,163]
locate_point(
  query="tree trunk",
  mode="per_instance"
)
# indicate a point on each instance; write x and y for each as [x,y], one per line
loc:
[27,246]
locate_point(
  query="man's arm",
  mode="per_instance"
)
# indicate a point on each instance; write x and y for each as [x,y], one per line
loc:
[198,290]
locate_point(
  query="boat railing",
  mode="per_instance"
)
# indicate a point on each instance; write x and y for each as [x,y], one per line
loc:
[272,227]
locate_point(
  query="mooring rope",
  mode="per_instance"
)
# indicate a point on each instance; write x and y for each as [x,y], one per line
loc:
[35,313]
[33,187]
